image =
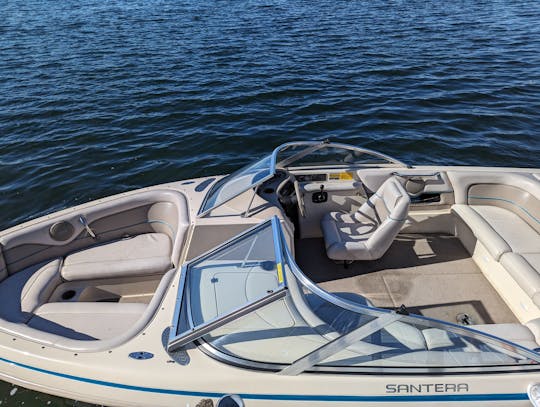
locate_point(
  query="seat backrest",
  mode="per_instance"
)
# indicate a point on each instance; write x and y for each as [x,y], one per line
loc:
[390,201]
[389,207]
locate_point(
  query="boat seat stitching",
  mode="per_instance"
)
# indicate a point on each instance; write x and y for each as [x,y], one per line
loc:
[526,211]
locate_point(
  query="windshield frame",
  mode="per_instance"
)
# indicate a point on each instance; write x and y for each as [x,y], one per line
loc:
[310,146]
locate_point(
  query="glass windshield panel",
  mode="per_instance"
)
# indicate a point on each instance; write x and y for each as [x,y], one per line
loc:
[287,329]
[328,155]
[273,334]
[406,343]
[236,183]
[293,152]
[230,278]
[303,155]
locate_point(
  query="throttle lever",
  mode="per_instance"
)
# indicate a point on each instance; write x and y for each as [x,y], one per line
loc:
[321,196]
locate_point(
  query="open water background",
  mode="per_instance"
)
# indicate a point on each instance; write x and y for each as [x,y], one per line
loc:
[101,97]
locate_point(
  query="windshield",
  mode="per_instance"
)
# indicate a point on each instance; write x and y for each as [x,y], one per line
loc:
[301,154]
[330,154]
[234,184]
[249,302]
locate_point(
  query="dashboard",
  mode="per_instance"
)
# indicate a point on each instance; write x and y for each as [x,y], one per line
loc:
[311,177]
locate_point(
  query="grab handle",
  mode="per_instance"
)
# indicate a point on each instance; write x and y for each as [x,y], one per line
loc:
[89,230]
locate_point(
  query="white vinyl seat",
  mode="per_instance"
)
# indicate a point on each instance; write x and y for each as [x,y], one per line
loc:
[509,239]
[86,320]
[367,233]
[26,290]
[517,333]
[500,230]
[144,254]
[25,294]
[524,268]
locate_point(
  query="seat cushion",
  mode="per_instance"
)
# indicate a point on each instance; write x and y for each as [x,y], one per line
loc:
[356,217]
[24,291]
[144,254]
[517,233]
[516,333]
[525,269]
[340,236]
[86,320]
[482,230]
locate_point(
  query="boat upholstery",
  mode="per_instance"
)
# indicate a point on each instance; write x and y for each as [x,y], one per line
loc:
[441,358]
[156,222]
[111,219]
[516,333]
[524,268]
[23,292]
[40,286]
[482,230]
[500,230]
[502,212]
[45,336]
[149,253]
[367,233]
[86,320]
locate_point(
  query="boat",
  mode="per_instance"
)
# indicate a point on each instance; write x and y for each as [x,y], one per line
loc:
[320,274]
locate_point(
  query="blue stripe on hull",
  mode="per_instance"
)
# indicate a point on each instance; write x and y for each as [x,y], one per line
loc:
[288,397]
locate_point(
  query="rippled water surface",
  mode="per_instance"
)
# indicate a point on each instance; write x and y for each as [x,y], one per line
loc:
[101,97]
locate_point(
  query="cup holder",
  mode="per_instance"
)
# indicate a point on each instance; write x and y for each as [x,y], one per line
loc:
[68,295]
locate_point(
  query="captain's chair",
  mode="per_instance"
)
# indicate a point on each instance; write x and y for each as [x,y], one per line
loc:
[367,233]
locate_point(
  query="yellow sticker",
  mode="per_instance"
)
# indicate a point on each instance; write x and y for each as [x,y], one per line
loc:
[342,176]
[280,273]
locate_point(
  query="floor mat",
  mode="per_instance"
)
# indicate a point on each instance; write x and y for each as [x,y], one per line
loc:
[431,275]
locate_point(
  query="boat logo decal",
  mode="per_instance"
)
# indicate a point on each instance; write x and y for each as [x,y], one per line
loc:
[427,388]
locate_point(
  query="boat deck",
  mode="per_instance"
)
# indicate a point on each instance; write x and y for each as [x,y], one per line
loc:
[432,275]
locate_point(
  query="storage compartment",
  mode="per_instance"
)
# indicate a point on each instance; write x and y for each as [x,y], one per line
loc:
[140,289]
[426,198]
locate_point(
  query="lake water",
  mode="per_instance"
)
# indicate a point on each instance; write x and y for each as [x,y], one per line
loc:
[101,97]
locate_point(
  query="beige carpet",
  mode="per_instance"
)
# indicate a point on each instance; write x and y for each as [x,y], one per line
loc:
[431,275]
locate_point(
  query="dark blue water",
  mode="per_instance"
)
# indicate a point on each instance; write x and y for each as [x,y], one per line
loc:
[99,97]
